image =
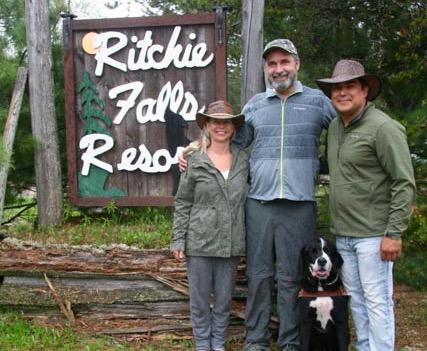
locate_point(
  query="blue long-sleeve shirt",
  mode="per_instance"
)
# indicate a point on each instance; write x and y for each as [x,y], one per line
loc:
[284,138]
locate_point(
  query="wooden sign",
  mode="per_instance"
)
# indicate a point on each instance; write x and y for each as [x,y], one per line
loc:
[133,88]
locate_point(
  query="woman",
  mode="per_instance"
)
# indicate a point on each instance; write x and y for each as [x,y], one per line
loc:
[209,222]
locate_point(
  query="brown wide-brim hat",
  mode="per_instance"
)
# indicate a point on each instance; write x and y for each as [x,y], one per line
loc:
[346,70]
[220,110]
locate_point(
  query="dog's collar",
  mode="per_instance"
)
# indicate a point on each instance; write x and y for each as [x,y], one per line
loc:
[339,292]
[326,283]
[332,282]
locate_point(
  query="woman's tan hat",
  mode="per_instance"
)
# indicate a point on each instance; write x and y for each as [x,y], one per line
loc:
[346,70]
[219,110]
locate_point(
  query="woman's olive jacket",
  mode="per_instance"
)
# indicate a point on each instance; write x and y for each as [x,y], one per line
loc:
[209,217]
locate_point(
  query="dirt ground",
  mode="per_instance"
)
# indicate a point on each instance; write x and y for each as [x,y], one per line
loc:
[411,319]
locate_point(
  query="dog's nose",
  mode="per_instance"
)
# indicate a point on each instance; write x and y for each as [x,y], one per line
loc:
[321,261]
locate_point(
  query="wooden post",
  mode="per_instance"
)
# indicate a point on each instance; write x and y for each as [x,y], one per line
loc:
[47,161]
[252,48]
[10,130]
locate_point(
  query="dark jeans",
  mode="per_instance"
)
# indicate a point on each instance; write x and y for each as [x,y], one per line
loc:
[275,233]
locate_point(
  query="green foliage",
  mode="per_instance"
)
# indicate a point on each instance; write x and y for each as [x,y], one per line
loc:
[411,267]
[12,18]
[415,122]
[322,203]
[145,228]
[18,334]
[388,37]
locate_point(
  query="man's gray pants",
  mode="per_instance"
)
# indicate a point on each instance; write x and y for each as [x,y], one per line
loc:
[208,275]
[275,233]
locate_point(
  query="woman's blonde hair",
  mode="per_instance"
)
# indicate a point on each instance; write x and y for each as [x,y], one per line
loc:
[201,144]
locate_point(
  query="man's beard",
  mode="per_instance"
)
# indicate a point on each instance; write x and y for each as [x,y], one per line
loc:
[284,85]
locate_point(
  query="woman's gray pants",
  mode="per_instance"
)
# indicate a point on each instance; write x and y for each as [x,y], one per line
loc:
[275,233]
[208,275]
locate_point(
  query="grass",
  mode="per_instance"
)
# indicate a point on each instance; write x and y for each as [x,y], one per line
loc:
[18,334]
[145,228]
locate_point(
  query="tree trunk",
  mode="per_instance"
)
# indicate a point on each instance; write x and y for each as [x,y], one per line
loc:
[47,161]
[10,130]
[252,48]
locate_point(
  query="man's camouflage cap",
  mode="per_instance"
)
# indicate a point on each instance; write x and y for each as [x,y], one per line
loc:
[283,44]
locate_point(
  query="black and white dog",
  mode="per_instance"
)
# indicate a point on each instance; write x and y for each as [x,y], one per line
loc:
[322,302]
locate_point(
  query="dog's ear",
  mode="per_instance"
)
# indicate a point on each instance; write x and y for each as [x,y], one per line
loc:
[336,257]
[339,260]
[304,256]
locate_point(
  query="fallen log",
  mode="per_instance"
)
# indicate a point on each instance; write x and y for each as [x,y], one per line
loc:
[28,256]
[20,256]
[114,289]
[85,292]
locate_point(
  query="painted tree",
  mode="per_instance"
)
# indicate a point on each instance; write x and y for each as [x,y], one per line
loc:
[93,108]
[95,121]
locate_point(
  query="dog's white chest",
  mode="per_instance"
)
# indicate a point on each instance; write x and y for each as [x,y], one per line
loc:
[323,306]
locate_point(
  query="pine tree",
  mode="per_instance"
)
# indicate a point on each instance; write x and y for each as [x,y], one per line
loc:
[92,114]
[93,108]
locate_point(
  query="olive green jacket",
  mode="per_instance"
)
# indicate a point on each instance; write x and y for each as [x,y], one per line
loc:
[372,186]
[209,210]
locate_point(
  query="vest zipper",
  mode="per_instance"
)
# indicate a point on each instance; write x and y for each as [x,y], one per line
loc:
[282,151]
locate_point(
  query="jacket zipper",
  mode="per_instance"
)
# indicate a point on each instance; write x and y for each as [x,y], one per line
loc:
[341,139]
[282,151]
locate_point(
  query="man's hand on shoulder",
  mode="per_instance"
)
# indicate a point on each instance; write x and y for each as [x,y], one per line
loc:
[391,248]
[182,162]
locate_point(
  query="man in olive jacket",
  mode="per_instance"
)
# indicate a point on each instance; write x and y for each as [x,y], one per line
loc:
[372,190]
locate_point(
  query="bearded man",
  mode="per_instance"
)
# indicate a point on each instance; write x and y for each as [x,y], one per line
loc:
[282,127]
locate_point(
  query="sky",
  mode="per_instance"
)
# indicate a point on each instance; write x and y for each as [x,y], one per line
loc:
[86,9]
